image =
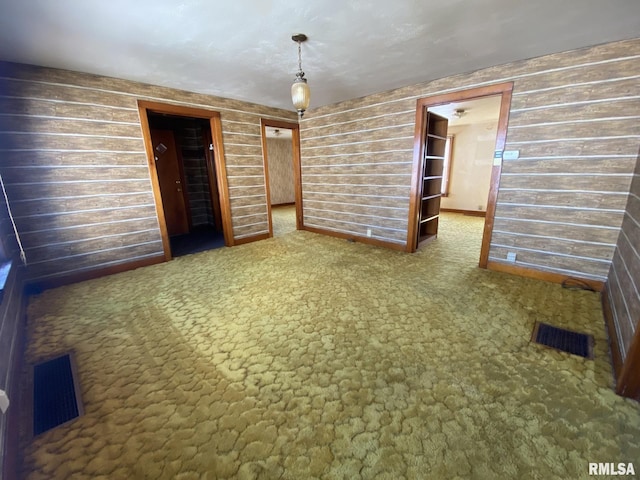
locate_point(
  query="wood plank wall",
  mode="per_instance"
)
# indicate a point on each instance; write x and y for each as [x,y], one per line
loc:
[623,282]
[575,119]
[11,334]
[74,160]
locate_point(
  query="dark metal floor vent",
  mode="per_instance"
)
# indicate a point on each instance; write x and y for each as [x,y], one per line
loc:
[56,397]
[565,340]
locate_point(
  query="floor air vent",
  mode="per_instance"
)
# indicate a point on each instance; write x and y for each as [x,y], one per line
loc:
[56,398]
[564,340]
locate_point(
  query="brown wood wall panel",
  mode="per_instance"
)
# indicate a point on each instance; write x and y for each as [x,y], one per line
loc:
[246,201]
[361,169]
[68,174]
[623,281]
[249,229]
[372,134]
[374,210]
[568,199]
[77,167]
[575,150]
[243,219]
[566,247]
[62,250]
[552,147]
[561,214]
[607,183]
[42,141]
[620,69]
[359,190]
[590,111]
[76,189]
[355,179]
[371,201]
[96,259]
[100,227]
[53,125]
[605,128]
[553,261]
[49,159]
[64,220]
[362,218]
[361,125]
[558,230]
[571,165]
[390,158]
[377,232]
[54,206]
[243,170]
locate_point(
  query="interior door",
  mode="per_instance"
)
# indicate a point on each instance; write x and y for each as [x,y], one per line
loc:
[170,179]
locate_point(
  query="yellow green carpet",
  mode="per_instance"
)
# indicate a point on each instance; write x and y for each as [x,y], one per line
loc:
[305,356]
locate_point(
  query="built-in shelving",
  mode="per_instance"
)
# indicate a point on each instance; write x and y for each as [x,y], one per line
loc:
[432,167]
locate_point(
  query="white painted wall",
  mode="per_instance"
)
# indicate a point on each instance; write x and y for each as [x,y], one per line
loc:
[473,149]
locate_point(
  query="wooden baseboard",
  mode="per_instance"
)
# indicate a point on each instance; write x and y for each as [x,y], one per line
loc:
[255,238]
[471,213]
[289,204]
[614,346]
[58,281]
[356,238]
[541,275]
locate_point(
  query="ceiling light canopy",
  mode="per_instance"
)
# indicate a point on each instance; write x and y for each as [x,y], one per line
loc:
[300,93]
[459,112]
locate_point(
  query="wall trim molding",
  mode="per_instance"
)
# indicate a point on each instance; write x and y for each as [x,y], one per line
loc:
[36,285]
[252,238]
[597,285]
[355,238]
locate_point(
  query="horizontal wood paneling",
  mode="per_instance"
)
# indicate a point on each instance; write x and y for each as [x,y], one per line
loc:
[564,198]
[574,120]
[623,283]
[608,218]
[570,265]
[566,230]
[75,164]
[570,165]
[11,340]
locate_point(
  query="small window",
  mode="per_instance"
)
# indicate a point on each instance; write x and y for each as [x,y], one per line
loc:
[446,169]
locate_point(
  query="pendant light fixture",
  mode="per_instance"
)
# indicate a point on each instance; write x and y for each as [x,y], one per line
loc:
[300,93]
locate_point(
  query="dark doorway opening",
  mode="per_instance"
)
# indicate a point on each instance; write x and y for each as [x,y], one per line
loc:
[183,155]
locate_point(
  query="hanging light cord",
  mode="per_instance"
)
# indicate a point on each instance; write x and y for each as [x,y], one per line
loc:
[23,256]
[299,56]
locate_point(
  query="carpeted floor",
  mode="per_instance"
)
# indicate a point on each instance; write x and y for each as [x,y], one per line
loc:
[305,356]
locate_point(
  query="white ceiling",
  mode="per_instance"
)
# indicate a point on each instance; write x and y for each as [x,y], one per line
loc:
[482,110]
[273,132]
[242,48]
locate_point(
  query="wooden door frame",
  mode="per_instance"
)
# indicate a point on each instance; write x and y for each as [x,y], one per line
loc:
[503,89]
[146,107]
[297,170]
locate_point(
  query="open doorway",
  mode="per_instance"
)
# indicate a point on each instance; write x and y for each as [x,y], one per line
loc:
[281,152]
[184,148]
[477,178]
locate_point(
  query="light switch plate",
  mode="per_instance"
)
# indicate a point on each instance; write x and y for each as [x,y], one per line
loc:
[511,154]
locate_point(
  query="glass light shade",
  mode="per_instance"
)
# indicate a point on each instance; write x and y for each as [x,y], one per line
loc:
[300,95]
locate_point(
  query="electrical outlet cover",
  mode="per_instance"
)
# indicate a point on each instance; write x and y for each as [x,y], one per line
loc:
[511,256]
